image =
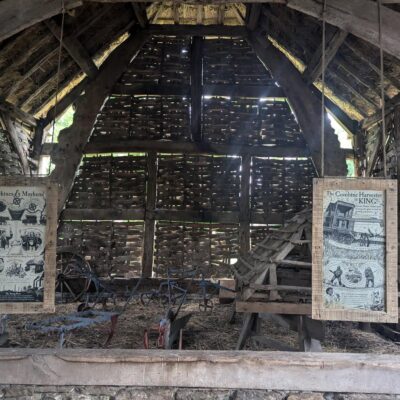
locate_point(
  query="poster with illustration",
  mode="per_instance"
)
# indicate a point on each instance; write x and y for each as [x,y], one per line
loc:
[22,240]
[355,249]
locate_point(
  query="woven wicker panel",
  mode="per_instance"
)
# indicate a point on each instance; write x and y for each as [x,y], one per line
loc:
[281,185]
[144,118]
[9,161]
[232,61]
[191,182]
[114,248]
[162,60]
[250,122]
[208,247]
[110,182]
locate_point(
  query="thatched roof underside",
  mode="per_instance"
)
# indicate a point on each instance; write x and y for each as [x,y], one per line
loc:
[29,59]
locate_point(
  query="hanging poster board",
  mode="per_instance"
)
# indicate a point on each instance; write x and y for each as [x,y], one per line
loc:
[28,234]
[354,267]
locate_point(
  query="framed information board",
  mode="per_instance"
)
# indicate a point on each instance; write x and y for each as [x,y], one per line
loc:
[28,235]
[354,267]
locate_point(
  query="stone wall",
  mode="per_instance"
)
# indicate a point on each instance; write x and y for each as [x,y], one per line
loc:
[127,393]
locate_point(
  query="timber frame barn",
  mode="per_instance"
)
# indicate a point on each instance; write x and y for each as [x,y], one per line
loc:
[193,139]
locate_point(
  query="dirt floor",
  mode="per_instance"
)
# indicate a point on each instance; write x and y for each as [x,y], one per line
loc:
[205,330]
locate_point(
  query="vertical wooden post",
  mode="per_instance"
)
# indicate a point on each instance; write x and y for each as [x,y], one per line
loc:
[196,76]
[149,221]
[244,211]
[396,121]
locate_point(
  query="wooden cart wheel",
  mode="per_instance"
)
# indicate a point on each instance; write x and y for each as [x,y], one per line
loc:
[73,275]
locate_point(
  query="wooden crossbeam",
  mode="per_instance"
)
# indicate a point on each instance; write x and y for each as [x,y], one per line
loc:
[273,308]
[314,67]
[133,145]
[359,17]
[225,217]
[74,48]
[229,90]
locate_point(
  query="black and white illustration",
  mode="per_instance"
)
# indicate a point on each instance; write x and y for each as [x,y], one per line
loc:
[354,250]
[22,238]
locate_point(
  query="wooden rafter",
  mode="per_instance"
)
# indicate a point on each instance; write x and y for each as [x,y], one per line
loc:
[359,17]
[64,104]
[74,48]
[305,105]
[51,80]
[341,115]
[314,67]
[140,13]
[73,139]
[374,66]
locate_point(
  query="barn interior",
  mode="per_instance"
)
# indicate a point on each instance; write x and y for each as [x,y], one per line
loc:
[183,138]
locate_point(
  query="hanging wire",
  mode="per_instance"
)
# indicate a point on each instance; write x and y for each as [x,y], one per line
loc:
[323,92]
[58,68]
[379,2]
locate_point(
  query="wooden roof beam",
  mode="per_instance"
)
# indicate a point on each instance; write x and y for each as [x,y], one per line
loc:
[315,67]
[74,48]
[17,15]
[305,105]
[253,15]
[16,112]
[72,140]
[359,17]
[341,115]
[140,13]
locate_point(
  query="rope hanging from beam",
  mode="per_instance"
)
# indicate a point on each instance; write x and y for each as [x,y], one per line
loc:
[323,92]
[58,68]
[379,3]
